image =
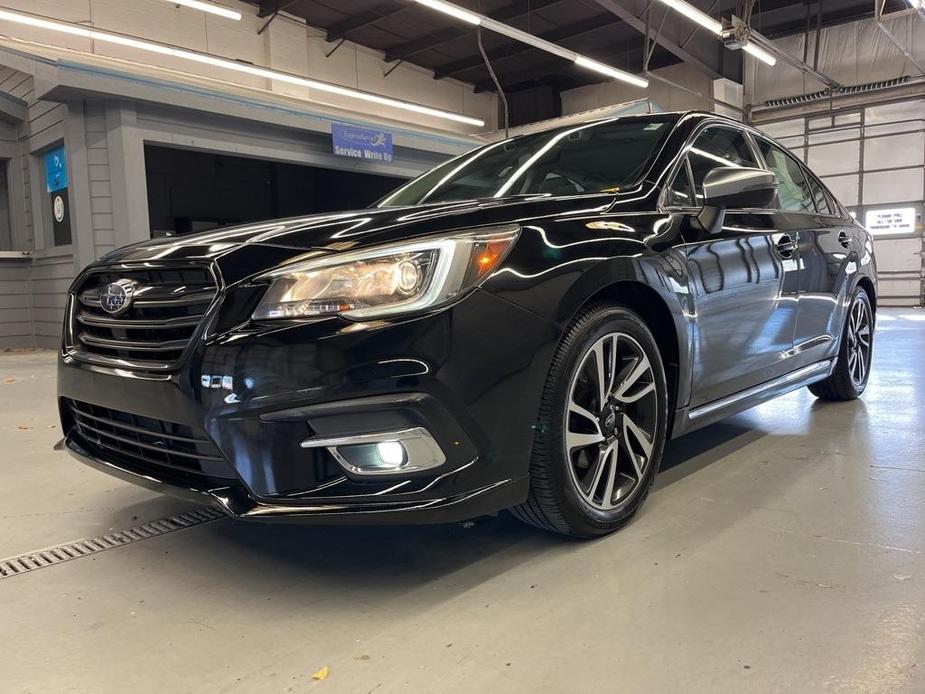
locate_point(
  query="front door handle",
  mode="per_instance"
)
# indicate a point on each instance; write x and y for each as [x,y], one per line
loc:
[786,246]
[843,239]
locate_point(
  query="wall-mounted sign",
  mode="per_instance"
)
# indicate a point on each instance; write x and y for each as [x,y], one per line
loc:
[55,170]
[896,221]
[56,185]
[361,143]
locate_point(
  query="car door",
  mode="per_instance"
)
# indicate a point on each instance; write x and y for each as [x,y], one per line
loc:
[824,255]
[743,278]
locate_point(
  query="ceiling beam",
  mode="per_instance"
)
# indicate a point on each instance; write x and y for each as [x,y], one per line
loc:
[515,48]
[363,19]
[514,10]
[701,49]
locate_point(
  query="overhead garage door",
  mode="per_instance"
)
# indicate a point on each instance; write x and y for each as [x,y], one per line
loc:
[873,159]
[192,191]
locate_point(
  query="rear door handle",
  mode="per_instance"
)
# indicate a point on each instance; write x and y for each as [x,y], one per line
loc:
[843,239]
[786,246]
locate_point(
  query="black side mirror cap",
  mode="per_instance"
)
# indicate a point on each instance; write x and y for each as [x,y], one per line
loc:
[739,187]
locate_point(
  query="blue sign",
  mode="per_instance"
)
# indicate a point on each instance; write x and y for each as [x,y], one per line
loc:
[55,170]
[361,143]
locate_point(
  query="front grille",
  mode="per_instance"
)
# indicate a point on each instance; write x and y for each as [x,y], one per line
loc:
[166,308]
[145,444]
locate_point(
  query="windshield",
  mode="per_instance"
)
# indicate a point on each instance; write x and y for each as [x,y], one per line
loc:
[600,157]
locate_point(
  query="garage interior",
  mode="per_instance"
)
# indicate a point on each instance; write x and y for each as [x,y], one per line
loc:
[782,549]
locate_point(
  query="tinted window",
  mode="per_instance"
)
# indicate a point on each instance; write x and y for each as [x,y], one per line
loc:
[601,157]
[680,192]
[718,147]
[819,196]
[793,191]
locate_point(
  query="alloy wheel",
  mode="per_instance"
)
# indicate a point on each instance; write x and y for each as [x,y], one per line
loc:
[611,421]
[859,341]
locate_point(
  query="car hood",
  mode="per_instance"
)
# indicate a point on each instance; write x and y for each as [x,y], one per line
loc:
[242,251]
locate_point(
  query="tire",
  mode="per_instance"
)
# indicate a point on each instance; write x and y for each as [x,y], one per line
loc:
[571,492]
[846,382]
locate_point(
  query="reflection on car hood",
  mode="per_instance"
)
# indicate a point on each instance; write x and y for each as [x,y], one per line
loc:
[254,247]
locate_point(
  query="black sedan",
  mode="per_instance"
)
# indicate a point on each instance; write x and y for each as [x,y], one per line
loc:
[522,328]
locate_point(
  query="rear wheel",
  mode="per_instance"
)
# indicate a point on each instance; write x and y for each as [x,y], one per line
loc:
[602,426]
[852,370]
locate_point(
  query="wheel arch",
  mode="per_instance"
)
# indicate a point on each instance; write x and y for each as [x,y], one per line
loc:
[871,290]
[652,308]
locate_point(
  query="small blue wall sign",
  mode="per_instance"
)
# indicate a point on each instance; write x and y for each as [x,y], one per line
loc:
[361,143]
[55,169]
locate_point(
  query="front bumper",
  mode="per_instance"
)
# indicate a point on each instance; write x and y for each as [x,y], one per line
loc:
[471,375]
[238,503]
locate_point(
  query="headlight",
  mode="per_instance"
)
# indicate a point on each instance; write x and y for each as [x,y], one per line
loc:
[383,281]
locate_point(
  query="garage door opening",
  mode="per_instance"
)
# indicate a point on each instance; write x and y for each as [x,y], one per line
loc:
[195,191]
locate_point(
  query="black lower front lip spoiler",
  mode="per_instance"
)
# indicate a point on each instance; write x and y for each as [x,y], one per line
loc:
[237,503]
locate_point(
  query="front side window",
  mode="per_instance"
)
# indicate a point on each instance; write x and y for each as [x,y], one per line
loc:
[718,146]
[793,191]
[601,157]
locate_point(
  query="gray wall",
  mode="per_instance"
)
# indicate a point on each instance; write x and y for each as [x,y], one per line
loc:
[105,140]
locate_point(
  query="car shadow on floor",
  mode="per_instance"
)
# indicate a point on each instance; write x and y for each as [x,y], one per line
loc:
[397,561]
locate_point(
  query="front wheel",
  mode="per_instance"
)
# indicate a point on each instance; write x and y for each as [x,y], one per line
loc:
[601,426]
[852,370]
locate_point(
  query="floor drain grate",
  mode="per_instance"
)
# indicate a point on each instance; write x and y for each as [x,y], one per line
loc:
[24,563]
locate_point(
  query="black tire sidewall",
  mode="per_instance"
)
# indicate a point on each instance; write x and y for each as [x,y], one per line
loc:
[859,292]
[581,517]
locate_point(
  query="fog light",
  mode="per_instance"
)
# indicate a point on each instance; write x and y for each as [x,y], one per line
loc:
[386,453]
[391,453]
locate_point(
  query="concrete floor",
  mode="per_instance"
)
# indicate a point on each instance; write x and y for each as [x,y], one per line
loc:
[782,550]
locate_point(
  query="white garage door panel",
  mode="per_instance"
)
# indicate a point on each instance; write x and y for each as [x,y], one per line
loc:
[784,128]
[904,110]
[842,157]
[835,136]
[899,288]
[845,188]
[893,186]
[899,255]
[897,150]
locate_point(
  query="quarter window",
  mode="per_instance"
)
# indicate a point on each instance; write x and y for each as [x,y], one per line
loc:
[819,196]
[793,191]
[680,192]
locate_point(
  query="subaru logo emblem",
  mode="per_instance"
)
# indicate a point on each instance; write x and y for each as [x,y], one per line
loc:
[116,298]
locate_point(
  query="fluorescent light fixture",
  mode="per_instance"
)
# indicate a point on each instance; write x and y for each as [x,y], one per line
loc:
[234,65]
[452,10]
[589,64]
[531,40]
[695,15]
[759,53]
[209,7]
[33,21]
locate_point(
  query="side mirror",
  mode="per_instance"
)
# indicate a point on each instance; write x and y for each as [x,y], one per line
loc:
[734,187]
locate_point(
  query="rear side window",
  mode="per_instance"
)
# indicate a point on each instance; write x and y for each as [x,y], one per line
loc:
[718,147]
[793,191]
